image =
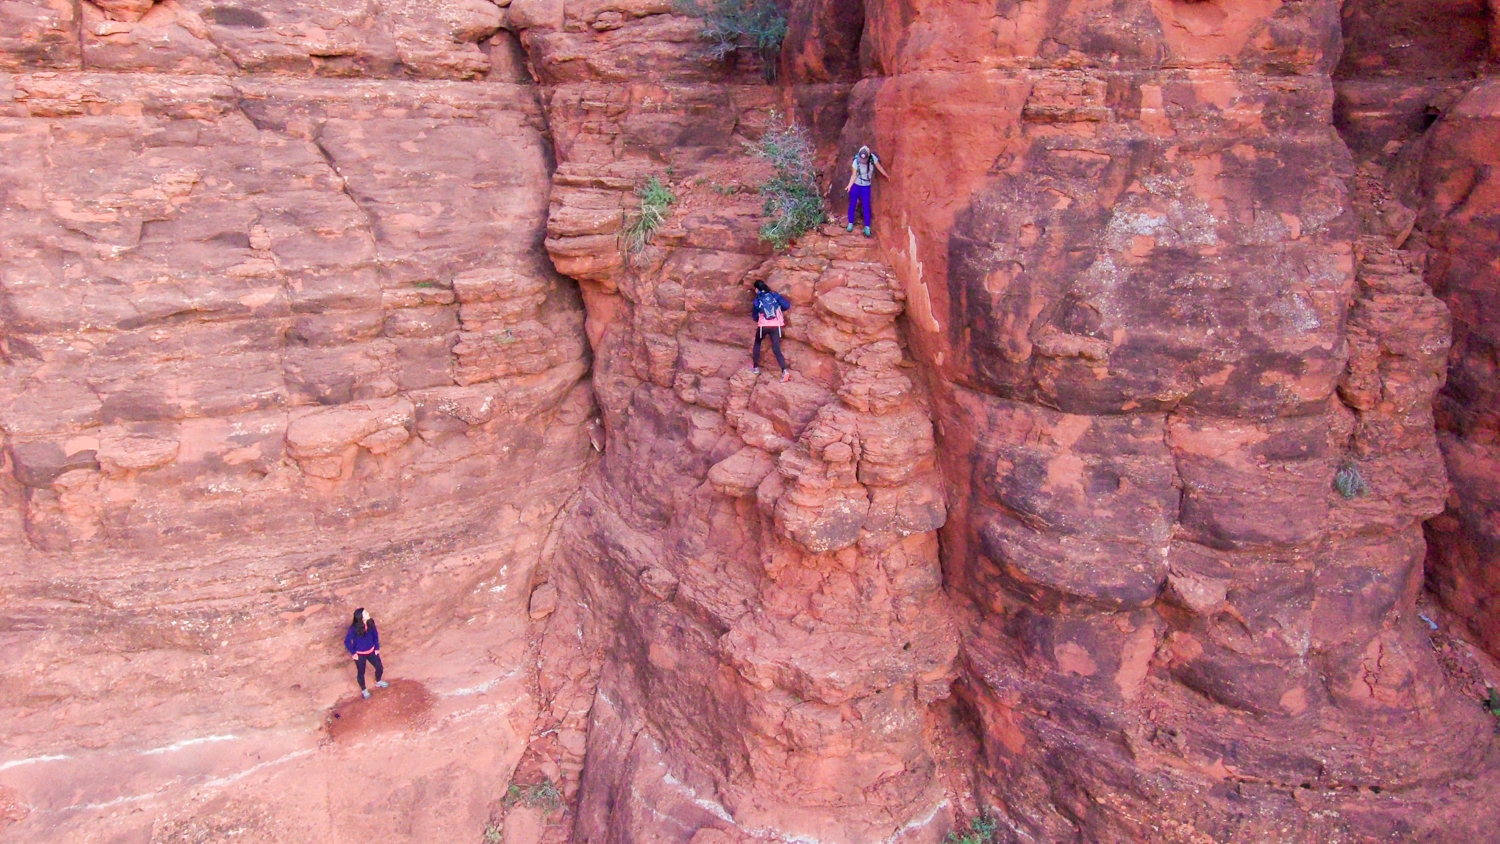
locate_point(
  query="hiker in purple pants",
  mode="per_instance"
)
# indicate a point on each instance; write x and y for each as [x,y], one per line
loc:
[863,169]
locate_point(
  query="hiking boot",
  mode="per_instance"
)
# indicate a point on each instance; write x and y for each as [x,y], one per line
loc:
[867,231]
[851,228]
[364,693]
[786,376]
[381,684]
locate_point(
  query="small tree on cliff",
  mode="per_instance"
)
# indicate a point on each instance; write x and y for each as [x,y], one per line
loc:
[733,25]
[792,199]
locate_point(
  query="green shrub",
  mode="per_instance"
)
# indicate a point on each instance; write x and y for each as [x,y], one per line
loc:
[493,834]
[981,831]
[543,795]
[655,200]
[792,199]
[732,25]
[1349,482]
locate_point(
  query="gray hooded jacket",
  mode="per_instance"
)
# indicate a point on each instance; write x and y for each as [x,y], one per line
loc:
[864,173]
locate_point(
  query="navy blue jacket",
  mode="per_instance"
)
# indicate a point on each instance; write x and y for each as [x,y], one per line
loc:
[357,644]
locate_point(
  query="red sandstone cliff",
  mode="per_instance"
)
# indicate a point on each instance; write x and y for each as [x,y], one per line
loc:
[1156,337]
[1045,522]
[1420,111]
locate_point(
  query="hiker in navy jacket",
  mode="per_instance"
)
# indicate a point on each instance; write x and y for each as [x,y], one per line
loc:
[769,312]
[363,644]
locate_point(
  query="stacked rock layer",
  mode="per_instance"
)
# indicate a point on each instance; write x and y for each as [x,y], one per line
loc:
[279,339]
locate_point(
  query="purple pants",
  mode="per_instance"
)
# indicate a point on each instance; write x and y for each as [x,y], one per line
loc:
[859,194]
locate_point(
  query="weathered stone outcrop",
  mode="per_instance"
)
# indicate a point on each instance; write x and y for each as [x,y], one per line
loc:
[768,675]
[274,346]
[1157,347]
[758,557]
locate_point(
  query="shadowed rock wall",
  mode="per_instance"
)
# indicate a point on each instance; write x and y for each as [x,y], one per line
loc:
[1418,105]
[1459,213]
[1414,90]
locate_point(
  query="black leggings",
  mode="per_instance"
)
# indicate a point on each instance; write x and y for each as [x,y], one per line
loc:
[775,334]
[359,667]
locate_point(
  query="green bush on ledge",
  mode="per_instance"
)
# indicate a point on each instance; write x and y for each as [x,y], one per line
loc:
[793,203]
[655,200]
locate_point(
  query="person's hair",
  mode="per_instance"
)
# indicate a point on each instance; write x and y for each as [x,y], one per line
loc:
[359,622]
[762,287]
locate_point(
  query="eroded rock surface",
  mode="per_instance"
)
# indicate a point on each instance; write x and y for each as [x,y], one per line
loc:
[1465,248]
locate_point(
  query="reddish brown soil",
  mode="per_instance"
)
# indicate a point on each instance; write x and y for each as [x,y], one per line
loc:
[403,706]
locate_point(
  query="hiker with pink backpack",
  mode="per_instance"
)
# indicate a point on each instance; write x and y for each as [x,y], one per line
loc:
[769,311]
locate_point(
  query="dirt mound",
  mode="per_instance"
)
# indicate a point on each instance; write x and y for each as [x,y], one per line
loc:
[403,706]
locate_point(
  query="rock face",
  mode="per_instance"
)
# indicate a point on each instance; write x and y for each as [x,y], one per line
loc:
[1161,341]
[1182,378]
[274,346]
[1094,500]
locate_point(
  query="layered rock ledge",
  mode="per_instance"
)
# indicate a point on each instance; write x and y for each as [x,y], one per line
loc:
[279,339]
